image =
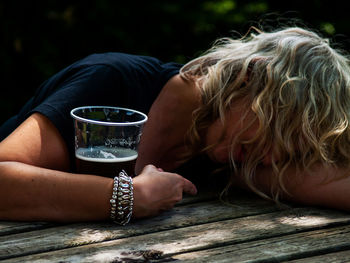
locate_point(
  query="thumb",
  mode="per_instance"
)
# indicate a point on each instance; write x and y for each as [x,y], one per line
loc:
[189,187]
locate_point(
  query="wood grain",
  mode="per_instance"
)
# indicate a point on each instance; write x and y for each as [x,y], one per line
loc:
[278,235]
[278,249]
[65,236]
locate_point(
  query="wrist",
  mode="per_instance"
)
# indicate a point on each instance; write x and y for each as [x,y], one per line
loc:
[122,199]
[138,210]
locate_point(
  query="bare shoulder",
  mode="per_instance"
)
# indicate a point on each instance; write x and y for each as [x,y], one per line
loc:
[180,84]
[178,93]
[169,119]
[37,142]
[175,103]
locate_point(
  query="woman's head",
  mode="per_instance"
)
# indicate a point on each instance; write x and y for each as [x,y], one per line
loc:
[294,90]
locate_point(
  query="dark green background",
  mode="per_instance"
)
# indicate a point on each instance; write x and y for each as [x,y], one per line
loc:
[41,37]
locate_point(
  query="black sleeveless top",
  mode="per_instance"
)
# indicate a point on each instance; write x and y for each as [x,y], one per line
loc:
[108,79]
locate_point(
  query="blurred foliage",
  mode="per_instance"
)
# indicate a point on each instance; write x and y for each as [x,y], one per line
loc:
[41,37]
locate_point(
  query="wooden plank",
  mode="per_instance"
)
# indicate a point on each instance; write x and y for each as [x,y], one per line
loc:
[239,231]
[79,234]
[200,197]
[12,227]
[7,228]
[337,257]
[280,249]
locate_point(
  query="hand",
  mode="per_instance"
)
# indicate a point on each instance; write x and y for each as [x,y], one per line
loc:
[156,191]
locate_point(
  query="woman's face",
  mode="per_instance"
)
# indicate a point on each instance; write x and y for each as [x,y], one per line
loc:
[221,152]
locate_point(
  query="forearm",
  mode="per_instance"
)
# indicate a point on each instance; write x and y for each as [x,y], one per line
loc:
[31,193]
[321,186]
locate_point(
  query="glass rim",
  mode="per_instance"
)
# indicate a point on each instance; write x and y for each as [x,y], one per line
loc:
[105,122]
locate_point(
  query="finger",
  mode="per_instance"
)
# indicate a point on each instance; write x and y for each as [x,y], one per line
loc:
[160,169]
[167,207]
[149,167]
[189,187]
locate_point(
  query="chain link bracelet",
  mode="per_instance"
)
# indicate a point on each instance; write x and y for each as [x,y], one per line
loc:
[122,199]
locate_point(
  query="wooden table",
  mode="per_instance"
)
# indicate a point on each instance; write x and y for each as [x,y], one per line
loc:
[199,229]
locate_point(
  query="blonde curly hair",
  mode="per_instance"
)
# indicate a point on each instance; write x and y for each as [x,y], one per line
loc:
[297,86]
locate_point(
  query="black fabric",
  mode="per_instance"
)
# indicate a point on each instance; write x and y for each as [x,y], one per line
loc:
[108,79]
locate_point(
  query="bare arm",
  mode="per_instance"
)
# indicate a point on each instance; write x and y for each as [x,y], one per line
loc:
[322,186]
[34,185]
[33,193]
[162,141]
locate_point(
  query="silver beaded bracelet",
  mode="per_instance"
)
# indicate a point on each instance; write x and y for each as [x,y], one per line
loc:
[122,200]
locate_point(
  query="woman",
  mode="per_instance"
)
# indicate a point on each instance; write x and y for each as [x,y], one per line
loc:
[274,106]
